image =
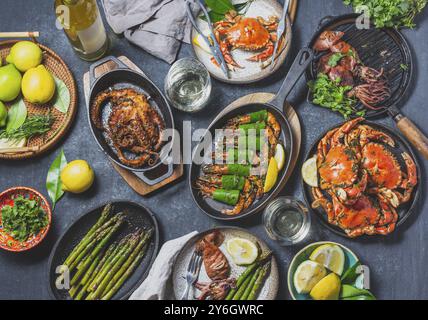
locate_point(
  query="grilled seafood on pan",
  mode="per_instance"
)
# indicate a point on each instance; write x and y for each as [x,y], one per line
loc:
[250,34]
[342,64]
[240,178]
[361,181]
[133,126]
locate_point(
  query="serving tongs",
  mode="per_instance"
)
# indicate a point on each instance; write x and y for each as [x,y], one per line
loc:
[282,26]
[210,40]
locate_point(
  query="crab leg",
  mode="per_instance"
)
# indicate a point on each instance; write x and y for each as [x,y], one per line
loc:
[265,54]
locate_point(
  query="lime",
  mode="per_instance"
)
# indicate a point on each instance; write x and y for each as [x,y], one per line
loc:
[307,275]
[328,288]
[280,156]
[77,176]
[25,55]
[271,176]
[330,256]
[10,82]
[309,172]
[243,251]
[38,85]
[3,114]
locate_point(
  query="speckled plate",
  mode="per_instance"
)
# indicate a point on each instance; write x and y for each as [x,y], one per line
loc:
[270,288]
[252,71]
[350,259]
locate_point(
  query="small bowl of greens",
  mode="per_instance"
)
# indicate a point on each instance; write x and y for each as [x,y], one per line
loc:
[25,219]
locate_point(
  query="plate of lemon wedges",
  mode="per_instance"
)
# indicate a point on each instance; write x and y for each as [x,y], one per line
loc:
[328,271]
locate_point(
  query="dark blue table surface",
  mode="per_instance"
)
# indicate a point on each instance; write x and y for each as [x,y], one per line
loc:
[397,263]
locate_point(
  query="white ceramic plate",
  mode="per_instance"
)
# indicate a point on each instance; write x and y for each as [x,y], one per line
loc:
[252,71]
[270,288]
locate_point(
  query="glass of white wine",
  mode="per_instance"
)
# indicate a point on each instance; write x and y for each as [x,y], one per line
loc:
[287,220]
[188,85]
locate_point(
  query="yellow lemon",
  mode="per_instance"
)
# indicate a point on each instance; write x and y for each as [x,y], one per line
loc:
[328,288]
[280,156]
[10,82]
[38,85]
[243,251]
[25,55]
[307,275]
[271,176]
[309,172]
[330,256]
[77,176]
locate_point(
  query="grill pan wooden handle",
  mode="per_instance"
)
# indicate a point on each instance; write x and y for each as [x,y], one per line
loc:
[413,134]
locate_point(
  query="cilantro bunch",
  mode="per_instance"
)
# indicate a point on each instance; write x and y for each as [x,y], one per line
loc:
[391,13]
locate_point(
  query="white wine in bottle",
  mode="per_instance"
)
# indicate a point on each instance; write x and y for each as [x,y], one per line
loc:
[82,23]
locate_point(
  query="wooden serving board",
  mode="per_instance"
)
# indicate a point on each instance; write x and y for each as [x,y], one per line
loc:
[291,116]
[138,185]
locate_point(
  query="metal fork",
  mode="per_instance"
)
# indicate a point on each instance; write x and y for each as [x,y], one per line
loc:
[192,273]
[280,32]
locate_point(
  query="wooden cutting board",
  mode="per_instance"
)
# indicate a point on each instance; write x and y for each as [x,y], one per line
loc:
[138,185]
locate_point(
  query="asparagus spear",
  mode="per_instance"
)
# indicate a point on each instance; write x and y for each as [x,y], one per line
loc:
[115,267]
[106,255]
[263,258]
[241,289]
[104,215]
[108,295]
[88,273]
[251,284]
[259,282]
[145,237]
[100,246]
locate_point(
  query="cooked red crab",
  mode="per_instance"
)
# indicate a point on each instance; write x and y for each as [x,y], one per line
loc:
[338,165]
[249,34]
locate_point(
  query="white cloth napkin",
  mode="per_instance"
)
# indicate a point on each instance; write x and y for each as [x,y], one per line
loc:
[157,26]
[155,285]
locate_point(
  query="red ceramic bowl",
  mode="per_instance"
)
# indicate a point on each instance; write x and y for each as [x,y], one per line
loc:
[6,198]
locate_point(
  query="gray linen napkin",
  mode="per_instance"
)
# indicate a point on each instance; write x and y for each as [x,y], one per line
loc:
[157,285]
[157,26]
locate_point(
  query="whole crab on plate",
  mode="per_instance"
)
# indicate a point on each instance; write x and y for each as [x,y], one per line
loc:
[367,178]
[247,39]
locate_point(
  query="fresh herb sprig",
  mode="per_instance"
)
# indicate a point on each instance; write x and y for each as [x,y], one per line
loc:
[218,8]
[33,125]
[330,94]
[24,218]
[391,13]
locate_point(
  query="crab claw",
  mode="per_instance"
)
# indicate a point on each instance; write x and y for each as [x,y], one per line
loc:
[264,55]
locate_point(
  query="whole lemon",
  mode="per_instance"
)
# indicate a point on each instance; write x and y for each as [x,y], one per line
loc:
[328,288]
[38,85]
[77,176]
[10,82]
[25,55]
[3,114]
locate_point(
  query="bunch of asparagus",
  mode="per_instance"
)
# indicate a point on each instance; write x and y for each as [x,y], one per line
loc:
[250,282]
[100,266]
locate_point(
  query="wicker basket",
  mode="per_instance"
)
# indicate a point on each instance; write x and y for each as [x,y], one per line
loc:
[62,121]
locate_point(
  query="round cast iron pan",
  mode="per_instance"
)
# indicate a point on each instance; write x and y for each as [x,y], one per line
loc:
[404,211]
[213,208]
[377,48]
[137,216]
[123,77]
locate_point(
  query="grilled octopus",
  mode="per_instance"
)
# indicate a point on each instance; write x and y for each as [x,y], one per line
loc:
[133,125]
[215,262]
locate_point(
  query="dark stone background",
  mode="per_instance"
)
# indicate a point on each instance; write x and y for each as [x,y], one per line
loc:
[397,263]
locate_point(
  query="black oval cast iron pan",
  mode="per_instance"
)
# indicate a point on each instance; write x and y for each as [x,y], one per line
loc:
[404,211]
[213,208]
[137,216]
[123,77]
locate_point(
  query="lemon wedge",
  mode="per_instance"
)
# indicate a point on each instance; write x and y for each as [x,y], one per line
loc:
[242,251]
[280,156]
[328,288]
[199,41]
[330,256]
[271,176]
[307,275]
[309,172]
